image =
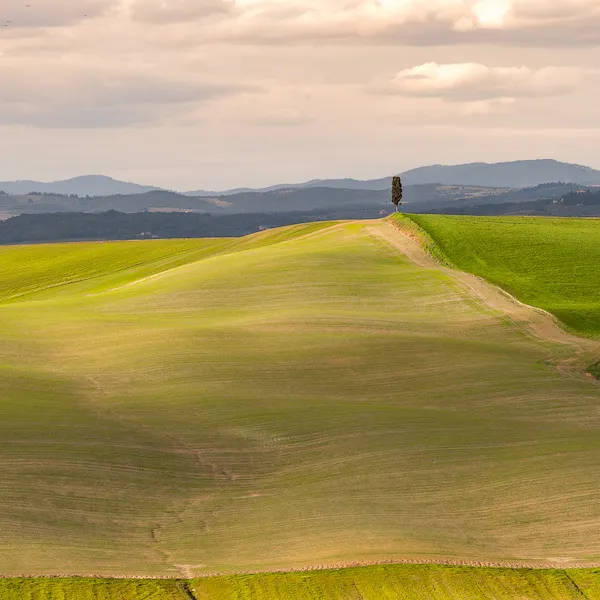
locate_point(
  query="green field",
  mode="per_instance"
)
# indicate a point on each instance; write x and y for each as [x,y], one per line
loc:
[393,582]
[550,263]
[306,396]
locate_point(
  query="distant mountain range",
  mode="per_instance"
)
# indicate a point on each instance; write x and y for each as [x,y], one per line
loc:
[86,185]
[345,184]
[343,203]
[516,174]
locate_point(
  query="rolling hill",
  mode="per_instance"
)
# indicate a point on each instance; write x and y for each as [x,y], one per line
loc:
[312,395]
[86,185]
[514,174]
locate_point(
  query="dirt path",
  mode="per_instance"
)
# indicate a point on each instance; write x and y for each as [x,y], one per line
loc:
[535,321]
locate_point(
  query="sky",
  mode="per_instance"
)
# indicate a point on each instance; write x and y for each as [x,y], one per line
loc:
[216,94]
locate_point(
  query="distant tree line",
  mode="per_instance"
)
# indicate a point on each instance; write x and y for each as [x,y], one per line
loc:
[582,198]
[114,225]
[583,203]
[43,195]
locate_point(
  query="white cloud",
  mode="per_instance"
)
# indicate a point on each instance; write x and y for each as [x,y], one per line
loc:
[472,81]
[490,14]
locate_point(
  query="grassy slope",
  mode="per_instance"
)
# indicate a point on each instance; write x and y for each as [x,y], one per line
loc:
[306,396]
[91,589]
[426,582]
[45,270]
[394,582]
[545,262]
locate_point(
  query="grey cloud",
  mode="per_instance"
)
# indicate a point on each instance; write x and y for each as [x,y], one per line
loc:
[413,22]
[560,11]
[565,35]
[16,14]
[86,97]
[546,23]
[282,118]
[81,117]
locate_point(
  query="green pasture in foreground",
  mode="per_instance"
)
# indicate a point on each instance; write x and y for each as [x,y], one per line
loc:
[301,397]
[393,582]
[550,263]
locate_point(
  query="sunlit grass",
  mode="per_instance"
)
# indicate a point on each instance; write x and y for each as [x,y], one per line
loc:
[546,262]
[300,397]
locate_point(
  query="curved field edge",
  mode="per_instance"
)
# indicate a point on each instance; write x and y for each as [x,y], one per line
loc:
[409,227]
[547,264]
[402,582]
[594,370]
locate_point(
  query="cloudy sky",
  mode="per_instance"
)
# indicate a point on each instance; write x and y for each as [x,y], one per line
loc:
[221,93]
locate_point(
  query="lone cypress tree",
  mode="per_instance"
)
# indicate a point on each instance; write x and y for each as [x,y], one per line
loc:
[397,191]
